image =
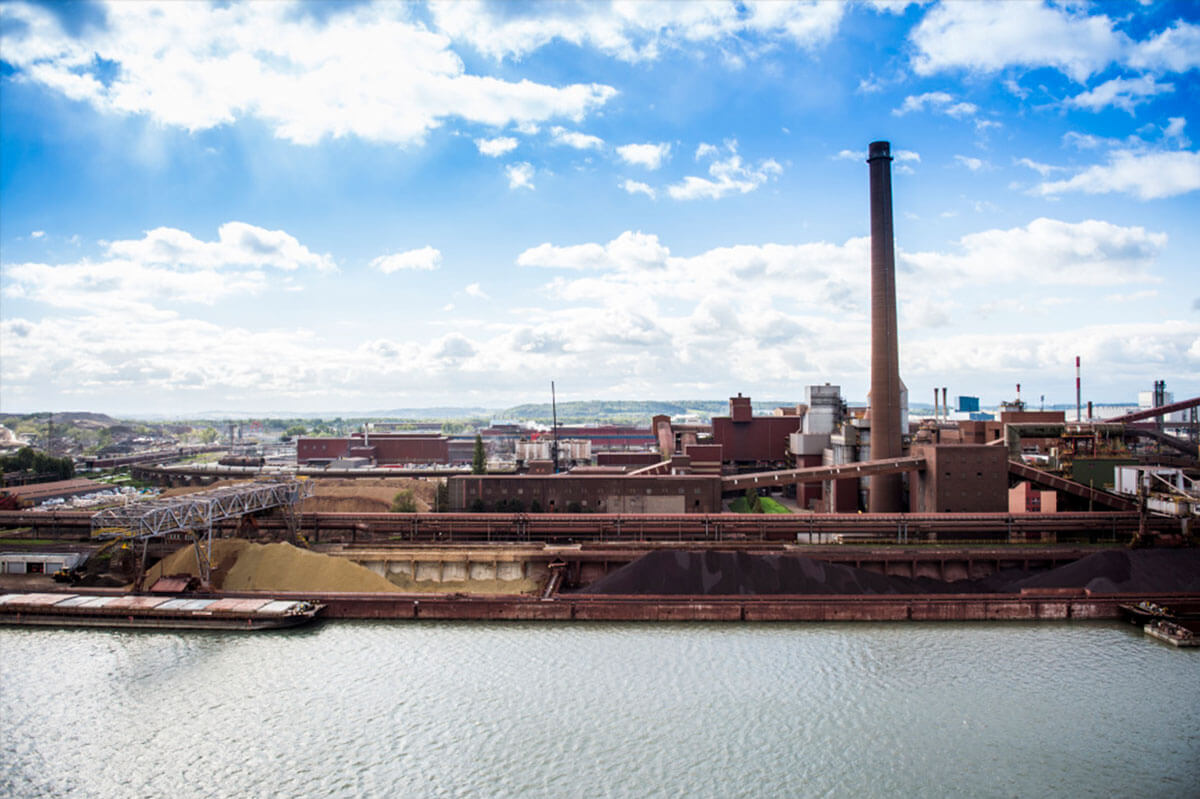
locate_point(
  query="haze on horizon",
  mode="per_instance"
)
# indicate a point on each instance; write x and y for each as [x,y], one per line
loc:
[297,207]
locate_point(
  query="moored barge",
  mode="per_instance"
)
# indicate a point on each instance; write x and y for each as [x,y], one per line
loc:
[155,611]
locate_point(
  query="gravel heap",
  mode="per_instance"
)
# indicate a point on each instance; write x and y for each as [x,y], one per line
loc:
[713,573]
[242,566]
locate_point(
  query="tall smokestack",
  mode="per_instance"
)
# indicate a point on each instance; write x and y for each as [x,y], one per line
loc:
[945,404]
[885,344]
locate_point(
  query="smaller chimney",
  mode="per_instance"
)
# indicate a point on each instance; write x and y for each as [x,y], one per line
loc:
[1078,404]
[936,416]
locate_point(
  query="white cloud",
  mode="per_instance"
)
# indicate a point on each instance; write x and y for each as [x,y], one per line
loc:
[1121,93]
[973,164]
[366,71]
[1145,175]
[37,234]
[474,290]
[636,187]
[425,259]
[501,145]
[167,266]
[572,138]
[650,156]
[520,176]
[938,102]
[1036,166]
[988,36]
[633,31]
[1046,251]
[1176,49]
[1174,131]
[728,176]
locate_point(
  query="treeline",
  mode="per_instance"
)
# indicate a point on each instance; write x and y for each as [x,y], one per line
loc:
[28,461]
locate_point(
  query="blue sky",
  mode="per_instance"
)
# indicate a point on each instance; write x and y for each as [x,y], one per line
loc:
[348,206]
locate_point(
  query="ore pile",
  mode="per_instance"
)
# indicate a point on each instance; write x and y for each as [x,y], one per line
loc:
[242,566]
[678,572]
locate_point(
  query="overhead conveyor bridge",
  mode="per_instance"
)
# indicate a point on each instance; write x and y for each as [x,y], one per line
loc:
[195,514]
[816,474]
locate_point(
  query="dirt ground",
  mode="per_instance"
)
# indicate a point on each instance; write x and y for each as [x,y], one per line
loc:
[350,495]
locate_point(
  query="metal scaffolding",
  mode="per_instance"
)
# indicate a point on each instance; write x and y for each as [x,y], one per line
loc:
[196,513]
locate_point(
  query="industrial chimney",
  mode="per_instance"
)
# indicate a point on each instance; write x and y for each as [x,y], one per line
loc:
[885,346]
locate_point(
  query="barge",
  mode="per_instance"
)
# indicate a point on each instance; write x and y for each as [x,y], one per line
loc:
[1171,633]
[156,612]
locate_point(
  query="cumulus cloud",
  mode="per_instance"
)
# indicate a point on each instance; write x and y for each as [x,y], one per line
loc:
[1173,132]
[520,176]
[474,290]
[1045,251]
[651,156]
[167,266]
[636,187]
[198,66]
[973,164]
[938,102]
[37,234]
[573,138]
[726,176]
[1145,175]
[1120,93]
[990,36]
[425,259]
[633,32]
[494,148]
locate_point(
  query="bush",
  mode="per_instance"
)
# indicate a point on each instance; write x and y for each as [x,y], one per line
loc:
[535,507]
[404,502]
[477,506]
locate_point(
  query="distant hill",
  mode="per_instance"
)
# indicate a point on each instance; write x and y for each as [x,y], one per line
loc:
[627,411]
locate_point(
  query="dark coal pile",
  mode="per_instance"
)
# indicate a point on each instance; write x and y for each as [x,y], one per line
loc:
[1124,572]
[678,572]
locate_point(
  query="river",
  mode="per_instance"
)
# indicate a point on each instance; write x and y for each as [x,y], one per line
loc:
[385,709]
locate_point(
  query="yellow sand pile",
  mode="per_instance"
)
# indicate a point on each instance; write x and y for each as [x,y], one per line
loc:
[239,565]
[367,494]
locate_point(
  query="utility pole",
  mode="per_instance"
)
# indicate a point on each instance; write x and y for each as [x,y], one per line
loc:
[554,421]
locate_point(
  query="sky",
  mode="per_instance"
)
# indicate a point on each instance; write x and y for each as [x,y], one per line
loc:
[271,207]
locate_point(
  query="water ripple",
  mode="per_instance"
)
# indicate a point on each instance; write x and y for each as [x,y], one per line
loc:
[608,710]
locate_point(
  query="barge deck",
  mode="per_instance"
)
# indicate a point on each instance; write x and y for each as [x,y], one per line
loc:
[155,612]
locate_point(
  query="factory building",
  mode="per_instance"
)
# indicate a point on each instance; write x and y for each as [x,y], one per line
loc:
[377,448]
[570,493]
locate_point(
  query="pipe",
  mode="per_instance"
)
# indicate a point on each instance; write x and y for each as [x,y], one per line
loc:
[885,346]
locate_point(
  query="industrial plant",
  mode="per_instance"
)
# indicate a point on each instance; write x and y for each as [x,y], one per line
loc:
[950,514]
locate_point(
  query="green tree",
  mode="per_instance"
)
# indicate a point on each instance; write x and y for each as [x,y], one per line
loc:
[208,435]
[441,503]
[479,461]
[296,430]
[404,502]
[752,501]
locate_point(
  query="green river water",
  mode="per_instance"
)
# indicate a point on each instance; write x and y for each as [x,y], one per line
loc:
[379,709]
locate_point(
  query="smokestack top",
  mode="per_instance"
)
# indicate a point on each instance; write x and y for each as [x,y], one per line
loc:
[879,149]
